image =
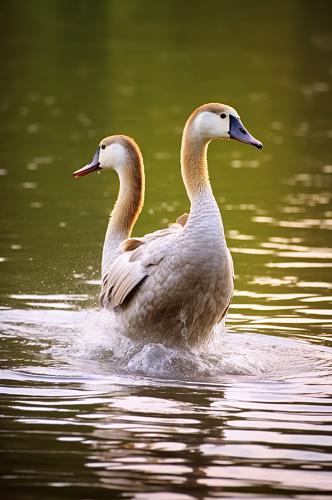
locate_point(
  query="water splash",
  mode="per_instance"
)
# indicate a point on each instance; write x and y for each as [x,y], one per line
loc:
[99,339]
[89,342]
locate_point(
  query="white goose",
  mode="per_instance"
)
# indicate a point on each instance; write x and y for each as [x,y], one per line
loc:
[175,285]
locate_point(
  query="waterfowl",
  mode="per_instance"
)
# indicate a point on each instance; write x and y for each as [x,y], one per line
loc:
[175,285]
[122,154]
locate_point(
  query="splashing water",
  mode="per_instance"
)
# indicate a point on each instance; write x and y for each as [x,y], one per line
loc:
[235,354]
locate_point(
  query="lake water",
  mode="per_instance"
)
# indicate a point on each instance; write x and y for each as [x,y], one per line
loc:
[88,414]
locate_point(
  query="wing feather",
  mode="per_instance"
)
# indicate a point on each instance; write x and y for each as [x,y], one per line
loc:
[131,244]
[125,285]
[133,262]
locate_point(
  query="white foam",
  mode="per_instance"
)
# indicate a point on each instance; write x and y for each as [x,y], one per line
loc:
[99,339]
[88,342]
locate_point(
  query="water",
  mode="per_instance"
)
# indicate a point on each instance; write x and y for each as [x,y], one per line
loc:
[86,413]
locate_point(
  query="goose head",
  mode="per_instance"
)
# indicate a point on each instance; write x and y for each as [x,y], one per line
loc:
[112,154]
[219,121]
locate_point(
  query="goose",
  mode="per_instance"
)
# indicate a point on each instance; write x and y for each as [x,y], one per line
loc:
[175,285]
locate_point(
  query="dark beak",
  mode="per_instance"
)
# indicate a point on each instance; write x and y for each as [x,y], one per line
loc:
[239,133]
[90,167]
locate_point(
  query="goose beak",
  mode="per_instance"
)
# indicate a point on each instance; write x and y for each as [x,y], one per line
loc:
[239,133]
[90,167]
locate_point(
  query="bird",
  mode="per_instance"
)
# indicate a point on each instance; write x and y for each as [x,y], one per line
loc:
[175,285]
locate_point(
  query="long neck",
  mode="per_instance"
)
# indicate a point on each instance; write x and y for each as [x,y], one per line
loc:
[194,163]
[127,208]
[128,205]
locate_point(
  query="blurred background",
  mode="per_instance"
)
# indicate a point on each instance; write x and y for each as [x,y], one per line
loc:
[75,72]
[86,414]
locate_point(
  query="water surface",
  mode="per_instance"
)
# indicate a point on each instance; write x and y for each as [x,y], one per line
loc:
[85,412]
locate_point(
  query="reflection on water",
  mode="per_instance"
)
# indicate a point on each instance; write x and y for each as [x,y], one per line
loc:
[257,420]
[87,413]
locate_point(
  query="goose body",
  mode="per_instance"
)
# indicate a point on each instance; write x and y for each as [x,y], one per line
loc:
[175,285]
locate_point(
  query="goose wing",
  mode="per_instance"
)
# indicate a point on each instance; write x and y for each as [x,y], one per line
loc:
[224,312]
[136,255]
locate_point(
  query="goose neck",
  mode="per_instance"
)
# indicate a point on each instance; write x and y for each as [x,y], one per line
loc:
[194,165]
[129,202]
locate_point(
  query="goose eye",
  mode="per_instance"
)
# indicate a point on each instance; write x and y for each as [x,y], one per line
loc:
[103,146]
[222,115]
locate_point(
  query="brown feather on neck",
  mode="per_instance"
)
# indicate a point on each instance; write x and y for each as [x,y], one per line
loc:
[193,160]
[131,193]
